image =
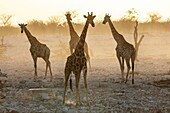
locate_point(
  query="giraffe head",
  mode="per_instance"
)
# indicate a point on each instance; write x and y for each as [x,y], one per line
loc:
[22,26]
[106,18]
[68,16]
[90,18]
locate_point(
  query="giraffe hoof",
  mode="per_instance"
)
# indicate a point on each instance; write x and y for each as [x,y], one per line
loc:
[79,104]
[88,104]
[51,79]
[132,81]
[122,81]
[125,81]
[35,79]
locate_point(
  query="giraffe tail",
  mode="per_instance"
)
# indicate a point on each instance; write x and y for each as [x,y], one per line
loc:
[71,86]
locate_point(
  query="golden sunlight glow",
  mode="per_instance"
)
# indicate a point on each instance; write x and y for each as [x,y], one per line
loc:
[24,10]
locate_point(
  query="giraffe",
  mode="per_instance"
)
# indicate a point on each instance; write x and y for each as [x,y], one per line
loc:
[124,50]
[77,62]
[37,49]
[75,38]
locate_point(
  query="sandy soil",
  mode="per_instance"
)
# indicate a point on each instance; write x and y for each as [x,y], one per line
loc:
[106,93]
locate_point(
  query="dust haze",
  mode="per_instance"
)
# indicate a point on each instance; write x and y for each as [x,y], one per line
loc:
[105,92]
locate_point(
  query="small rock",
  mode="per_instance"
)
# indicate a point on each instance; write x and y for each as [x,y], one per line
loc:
[22,82]
[41,107]
[146,109]
[65,108]
[44,96]
[60,97]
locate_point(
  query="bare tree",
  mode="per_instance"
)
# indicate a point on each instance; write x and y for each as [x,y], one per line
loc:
[137,43]
[54,20]
[155,17]
[5,19]
[131,15]
[74,13]
[37,26]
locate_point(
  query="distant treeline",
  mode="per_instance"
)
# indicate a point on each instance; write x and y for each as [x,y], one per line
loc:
[38,27]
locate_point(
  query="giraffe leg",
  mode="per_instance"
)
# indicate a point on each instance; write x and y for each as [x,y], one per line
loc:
[35,66]
[71,87]
[87,54]
[88,59]
[67,74]
[50,71]
[46,69]
[85,84]
[132,72]
[48,64]
[133,65]
[128,68]
[121,66]
[78,101]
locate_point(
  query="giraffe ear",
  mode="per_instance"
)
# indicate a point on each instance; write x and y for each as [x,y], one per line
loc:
[66,13]
[19,24]
[85,16]
[25,25]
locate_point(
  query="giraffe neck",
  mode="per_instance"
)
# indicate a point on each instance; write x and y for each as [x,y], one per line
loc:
[83,36]
[118,37]
[73,33]
[31,38]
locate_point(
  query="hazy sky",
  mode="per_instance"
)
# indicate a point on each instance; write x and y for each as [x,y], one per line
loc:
[24,10]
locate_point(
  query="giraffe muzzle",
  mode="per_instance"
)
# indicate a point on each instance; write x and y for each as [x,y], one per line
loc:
[93,25]
[104,22]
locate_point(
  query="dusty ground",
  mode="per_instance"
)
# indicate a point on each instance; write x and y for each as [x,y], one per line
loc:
[106,93]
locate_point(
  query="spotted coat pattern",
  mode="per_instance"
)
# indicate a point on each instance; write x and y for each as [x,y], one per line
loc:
[76,62]
[37,49]
[124,50]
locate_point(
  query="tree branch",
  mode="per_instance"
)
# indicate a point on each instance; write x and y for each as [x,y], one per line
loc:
[140,40]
